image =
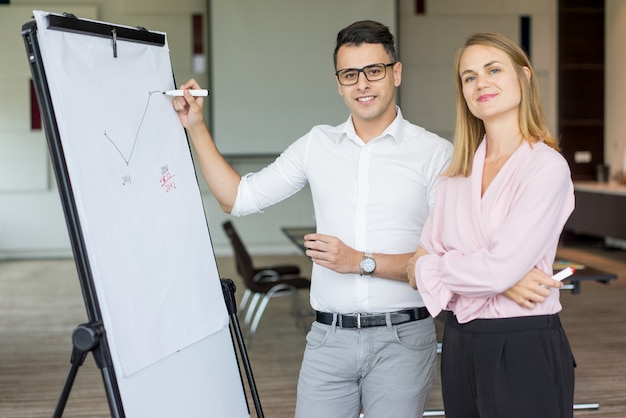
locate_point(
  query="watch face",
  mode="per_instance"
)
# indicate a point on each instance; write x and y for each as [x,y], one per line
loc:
[368,265]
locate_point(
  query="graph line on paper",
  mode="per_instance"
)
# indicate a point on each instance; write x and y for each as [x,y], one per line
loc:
[132,151]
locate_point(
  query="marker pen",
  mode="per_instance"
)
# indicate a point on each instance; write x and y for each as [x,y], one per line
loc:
[564,274]
[203,92]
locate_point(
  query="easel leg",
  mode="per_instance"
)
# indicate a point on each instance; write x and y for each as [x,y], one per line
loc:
[228,288]
[77,360]
[86,338]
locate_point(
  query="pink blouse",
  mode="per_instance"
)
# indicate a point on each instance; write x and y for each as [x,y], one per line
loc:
[480,247]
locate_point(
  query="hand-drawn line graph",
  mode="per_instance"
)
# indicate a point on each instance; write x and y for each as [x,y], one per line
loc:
[143,116]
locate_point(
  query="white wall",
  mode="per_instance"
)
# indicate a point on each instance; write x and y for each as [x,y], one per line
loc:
[31,219]
[428,44]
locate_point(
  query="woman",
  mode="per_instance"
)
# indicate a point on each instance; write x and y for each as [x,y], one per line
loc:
[487,249]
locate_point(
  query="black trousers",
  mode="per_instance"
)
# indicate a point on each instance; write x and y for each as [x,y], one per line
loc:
[507,368]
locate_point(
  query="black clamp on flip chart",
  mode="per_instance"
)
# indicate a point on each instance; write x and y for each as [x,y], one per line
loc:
[68,22]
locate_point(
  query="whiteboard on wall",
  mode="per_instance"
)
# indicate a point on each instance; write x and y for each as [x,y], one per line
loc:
[272,73]
[136,218]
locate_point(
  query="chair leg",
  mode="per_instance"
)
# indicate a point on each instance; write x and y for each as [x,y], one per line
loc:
[251,309]
[259,313]
[243,305]
[278,290]
[244,301]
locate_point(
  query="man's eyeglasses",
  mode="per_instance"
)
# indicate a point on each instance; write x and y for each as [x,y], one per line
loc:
[373,72]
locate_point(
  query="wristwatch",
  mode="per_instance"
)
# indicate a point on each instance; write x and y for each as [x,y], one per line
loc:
[368,264]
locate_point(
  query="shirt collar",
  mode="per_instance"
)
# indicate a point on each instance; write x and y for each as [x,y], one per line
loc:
[394,130]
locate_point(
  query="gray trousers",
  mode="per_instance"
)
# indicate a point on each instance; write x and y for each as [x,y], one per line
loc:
[385,371]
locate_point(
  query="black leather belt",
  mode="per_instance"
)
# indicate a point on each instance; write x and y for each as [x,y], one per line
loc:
[363,320]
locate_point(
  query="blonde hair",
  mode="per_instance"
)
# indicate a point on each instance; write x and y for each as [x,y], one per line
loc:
[469,130]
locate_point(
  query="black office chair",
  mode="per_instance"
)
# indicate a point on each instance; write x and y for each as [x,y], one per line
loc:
[269,282]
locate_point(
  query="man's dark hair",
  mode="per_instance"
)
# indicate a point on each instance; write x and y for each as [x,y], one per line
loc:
[368,32]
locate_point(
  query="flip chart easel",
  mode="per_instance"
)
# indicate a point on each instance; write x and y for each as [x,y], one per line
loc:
[158,324]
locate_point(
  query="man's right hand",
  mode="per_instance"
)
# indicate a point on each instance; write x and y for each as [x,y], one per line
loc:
[221,178]
[189,108]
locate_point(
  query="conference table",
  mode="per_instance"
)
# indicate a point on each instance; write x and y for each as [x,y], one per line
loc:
[582,273]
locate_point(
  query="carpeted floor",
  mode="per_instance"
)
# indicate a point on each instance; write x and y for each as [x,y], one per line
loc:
[41,304]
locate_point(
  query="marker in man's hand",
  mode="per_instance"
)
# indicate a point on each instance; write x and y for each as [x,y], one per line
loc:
[202,92]
[564,274]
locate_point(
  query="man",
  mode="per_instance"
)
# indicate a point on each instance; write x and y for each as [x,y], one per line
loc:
[372,178]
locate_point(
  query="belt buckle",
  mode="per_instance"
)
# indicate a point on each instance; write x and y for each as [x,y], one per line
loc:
[358,321]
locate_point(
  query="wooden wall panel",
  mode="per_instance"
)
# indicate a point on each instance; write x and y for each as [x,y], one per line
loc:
[581,83]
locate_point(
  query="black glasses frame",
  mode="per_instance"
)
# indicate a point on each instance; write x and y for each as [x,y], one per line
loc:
[362,70]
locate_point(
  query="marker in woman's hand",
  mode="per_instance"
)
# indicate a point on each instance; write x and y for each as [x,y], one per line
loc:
[564,274]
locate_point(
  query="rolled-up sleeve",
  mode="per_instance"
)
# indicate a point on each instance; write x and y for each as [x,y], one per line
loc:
[274,183]
[245,203]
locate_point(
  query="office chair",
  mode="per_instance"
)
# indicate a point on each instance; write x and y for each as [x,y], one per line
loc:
[268,282]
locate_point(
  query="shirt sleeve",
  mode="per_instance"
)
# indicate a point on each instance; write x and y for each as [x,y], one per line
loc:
[274,183]
[435,295]
[438,163]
